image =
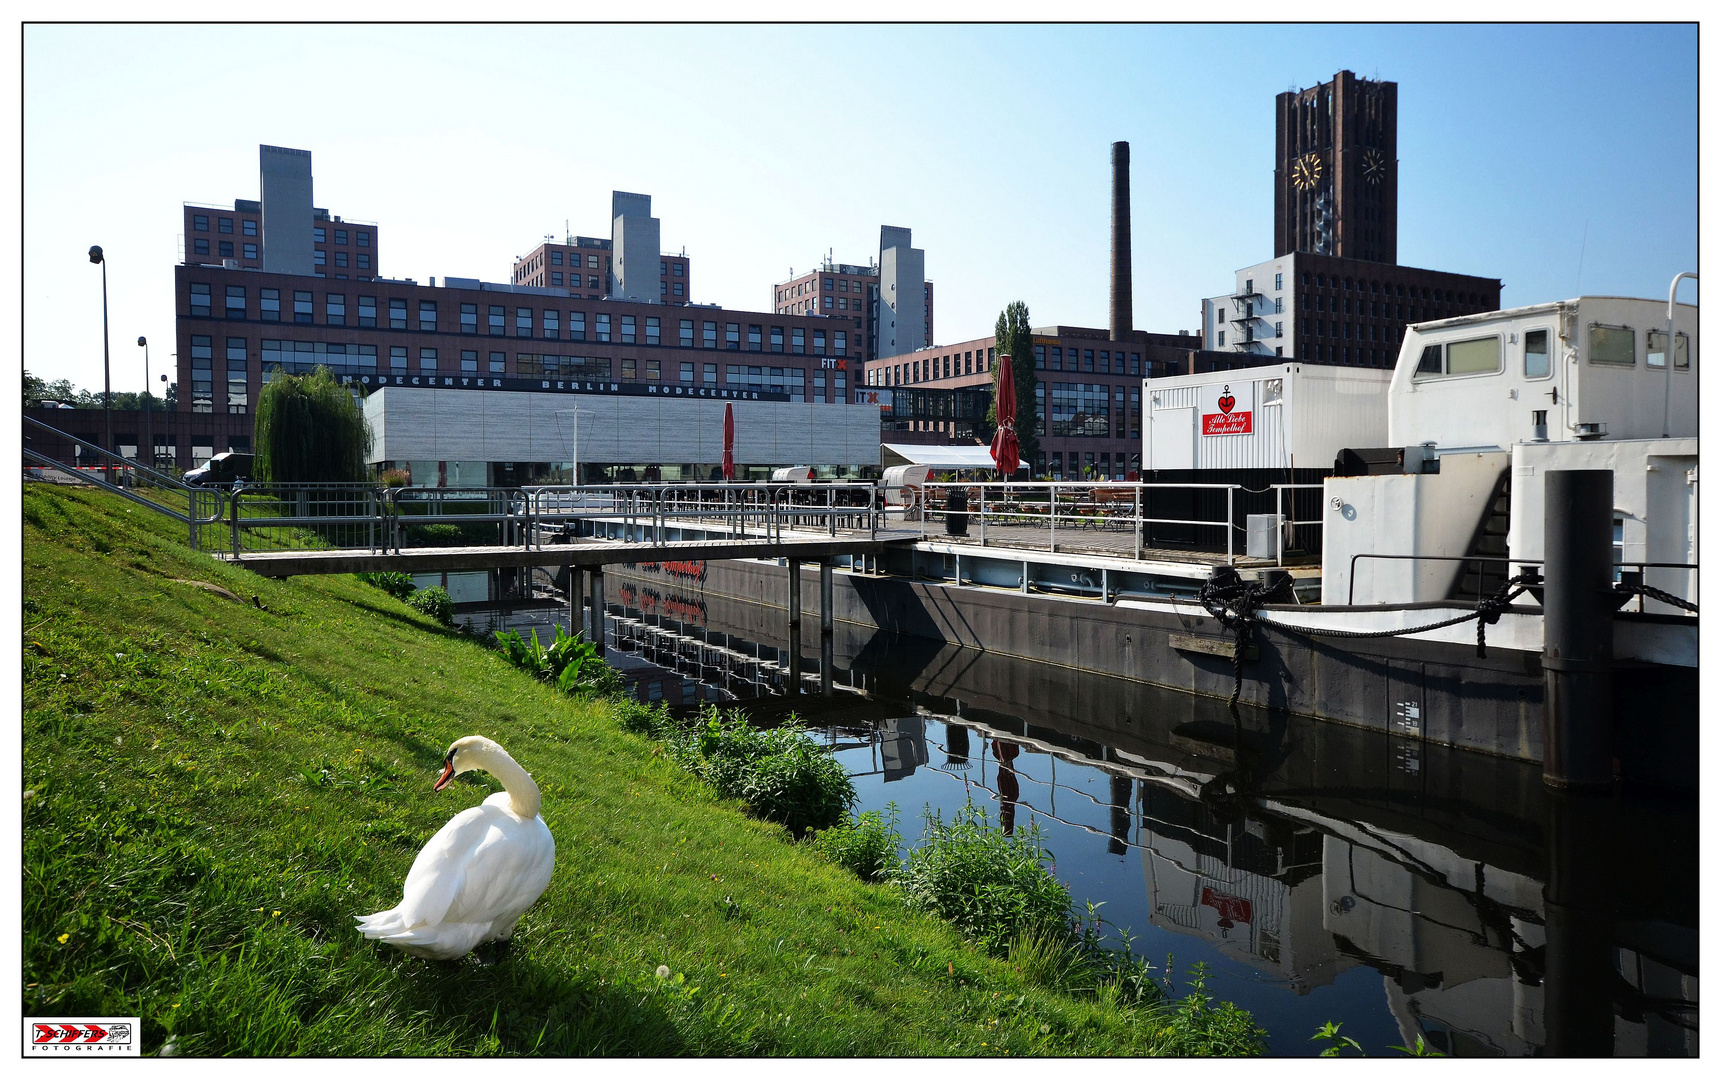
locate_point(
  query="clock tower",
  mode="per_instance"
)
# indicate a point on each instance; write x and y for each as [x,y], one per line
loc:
[1335,171]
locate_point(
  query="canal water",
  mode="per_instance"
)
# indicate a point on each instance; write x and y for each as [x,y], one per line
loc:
[1320,872]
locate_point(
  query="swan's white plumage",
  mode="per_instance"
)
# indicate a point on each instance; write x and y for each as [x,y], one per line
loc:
[479,873]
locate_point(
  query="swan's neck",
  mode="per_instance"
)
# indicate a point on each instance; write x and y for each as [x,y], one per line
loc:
[522,789]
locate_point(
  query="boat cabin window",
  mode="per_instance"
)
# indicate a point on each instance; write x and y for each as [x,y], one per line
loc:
[1536,364]
[1655,353]
[1612,345]
[1473,356]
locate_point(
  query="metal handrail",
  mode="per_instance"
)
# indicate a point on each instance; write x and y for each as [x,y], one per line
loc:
[1350,597]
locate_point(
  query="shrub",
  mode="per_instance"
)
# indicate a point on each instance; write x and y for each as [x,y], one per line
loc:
[781,774]
[434,602]
[866,844]
[396,584]
[440,535]
[571,662]
[993,887]
[394,478]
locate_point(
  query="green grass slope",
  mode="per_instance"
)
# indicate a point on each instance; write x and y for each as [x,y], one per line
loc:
[222,770]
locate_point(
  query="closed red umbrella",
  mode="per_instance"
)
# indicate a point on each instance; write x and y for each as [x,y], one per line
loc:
[1006,451]
[728,441]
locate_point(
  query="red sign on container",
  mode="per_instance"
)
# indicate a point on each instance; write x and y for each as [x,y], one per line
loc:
[1237,423]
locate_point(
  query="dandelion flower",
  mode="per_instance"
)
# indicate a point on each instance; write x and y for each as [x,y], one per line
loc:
[63,938]
[663,971]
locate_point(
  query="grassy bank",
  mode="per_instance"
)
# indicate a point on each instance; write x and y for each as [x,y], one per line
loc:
[221,770]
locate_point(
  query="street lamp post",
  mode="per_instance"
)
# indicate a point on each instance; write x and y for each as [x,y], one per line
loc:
[148,447]
[107,382]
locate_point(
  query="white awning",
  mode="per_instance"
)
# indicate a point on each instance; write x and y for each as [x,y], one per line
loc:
[937,457]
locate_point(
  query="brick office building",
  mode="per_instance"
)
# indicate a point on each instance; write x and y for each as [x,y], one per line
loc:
[1334,293]
[1088,394]
[848,292]
[236,323]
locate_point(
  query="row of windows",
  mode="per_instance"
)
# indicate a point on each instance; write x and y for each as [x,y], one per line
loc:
[319,257]
[1611,345]
[1446,296]
[830,285]
[319,235]
[248,226]
[200,223]
[527,322]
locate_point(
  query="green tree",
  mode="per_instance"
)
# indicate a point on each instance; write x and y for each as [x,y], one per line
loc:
[310,430]
[1016,339]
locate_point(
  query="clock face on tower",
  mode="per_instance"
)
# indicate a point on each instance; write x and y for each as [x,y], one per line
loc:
[1306,171]
[1373,166]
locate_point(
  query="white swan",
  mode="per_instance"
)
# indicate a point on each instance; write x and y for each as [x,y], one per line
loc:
[480,872]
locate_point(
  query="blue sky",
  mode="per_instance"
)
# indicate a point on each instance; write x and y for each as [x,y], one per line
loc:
[1524,151]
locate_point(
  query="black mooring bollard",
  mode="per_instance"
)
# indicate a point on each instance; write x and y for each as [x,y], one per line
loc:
[1577,628]
[794,686]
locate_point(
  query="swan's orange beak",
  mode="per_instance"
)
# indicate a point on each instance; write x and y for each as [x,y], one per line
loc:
[447,775]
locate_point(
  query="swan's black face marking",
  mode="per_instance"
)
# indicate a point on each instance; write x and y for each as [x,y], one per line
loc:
[447,771]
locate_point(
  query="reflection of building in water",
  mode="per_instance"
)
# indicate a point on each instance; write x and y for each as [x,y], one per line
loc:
[902,746]
[1445,932]
[1252,887]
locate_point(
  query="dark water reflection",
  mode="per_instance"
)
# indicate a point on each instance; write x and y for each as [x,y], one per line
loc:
[1322,872]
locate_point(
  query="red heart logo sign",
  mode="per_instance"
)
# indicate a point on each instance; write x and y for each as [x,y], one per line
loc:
[1226,401]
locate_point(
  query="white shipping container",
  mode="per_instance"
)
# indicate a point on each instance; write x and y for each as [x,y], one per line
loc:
[1296,416]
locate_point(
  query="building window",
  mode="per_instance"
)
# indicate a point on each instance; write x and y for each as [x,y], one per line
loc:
[396,314]
[427,316]
[250,251]
[653,371]
[427,359]
[680,289]
[1470,357]
[663,288]
[732,336]
[818,343]
[592,282]
[708,333]
[225,225]
[364,260]
[469,361]
[340,259]
[202,377]
[363,239]
[269,304]
[200,222]
[601,326]
[798,340]
[653,330]
[710,374]
[1655,350]
[555,258]
[226,249]
[498,361]
[235,302]
[468,318]
[200,246]
[755,338]
[776,339]
[687,372]
[840,342]
[627,329]
[1612,345]
[248,226]
[397,357]
[552,324]
[335,309]
[340,236]
[576,326]
[319,235]
[629,370]
[687,333]
[555,277]
[319,257]
[302,307]
[497,316]
[523,322]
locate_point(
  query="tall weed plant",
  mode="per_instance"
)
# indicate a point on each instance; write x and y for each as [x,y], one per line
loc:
[993,887]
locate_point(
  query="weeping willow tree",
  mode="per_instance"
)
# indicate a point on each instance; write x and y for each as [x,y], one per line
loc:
[309,430]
